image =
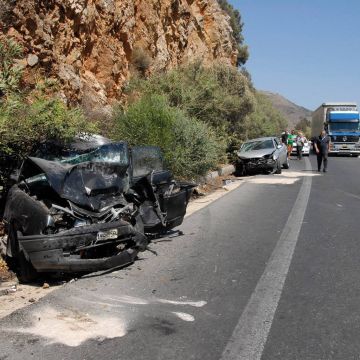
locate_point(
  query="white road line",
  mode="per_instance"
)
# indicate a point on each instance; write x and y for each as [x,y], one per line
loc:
[250,334]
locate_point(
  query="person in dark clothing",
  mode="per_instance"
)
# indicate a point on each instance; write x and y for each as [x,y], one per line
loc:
[284,137]
[322,144]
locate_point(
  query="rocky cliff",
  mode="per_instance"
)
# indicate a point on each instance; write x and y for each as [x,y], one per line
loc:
[93,46]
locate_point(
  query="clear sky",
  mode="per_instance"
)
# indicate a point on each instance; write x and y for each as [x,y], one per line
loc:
[305,50]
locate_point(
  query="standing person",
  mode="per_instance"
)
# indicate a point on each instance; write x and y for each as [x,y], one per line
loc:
[284,137]
[291,139]
[322,145]
[300,141]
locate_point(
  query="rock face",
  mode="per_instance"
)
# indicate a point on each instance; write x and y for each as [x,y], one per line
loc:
[93,46]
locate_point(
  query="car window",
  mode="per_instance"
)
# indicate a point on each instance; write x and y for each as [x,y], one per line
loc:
[257,145]
[146,159]
[110,153]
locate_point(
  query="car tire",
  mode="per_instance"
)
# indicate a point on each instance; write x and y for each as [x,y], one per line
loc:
[278,168]
[240,170]
[287,163]
[23,267]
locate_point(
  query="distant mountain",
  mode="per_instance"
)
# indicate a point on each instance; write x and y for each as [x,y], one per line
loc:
[292,112]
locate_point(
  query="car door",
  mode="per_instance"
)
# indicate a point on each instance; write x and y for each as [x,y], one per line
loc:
[280,150]
[168,198]
[283,153]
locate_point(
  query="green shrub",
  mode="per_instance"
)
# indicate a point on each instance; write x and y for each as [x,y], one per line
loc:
[10,73]
[219,96]
[265,120]
[147,121]
[197,148]
[190,146]
[24,125]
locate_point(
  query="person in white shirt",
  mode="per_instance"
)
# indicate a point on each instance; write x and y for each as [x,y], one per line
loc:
[300,141]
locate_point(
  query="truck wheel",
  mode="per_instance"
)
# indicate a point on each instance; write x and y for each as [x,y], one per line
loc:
[23,268]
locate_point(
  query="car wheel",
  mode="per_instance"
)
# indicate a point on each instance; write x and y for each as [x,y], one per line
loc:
[240,170]
[278,167]
[23,267]
[287,163]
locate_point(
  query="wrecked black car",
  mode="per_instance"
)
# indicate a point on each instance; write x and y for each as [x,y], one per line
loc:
[89,206]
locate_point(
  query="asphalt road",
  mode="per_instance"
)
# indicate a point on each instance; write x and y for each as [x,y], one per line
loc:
[269,271]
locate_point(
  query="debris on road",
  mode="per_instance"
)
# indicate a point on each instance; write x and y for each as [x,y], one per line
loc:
[14,296]
[198,191]
[5,273]
[9,290]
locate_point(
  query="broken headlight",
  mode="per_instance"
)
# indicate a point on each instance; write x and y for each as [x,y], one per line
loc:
[270,158]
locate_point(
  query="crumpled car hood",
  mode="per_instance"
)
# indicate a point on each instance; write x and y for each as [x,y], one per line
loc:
[255,153]
[90,185]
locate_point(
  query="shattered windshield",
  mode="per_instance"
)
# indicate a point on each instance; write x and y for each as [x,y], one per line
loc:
[257,145]
[145,159]
[109,153]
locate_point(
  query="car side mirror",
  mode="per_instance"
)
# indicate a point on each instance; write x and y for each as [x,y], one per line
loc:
[279,146]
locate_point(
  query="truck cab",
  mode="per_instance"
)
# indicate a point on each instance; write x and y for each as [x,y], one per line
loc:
[342,123]
[343,129]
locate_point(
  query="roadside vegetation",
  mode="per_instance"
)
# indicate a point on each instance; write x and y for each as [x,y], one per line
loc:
[198,115]
[265,120]
[190,147]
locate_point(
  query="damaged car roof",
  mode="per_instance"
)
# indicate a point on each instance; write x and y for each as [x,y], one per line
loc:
[88,184]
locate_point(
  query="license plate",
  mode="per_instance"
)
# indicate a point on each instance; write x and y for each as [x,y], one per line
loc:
[106,235]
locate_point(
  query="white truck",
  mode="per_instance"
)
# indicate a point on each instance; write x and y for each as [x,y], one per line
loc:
[341,121]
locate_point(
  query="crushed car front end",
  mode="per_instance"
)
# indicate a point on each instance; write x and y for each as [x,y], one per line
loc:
[74,216]
[83,249]
[264,163]
[68,238]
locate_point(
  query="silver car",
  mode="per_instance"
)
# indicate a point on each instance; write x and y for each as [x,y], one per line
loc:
[265,154]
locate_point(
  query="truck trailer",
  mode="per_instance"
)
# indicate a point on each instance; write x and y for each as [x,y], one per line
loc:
[341,121]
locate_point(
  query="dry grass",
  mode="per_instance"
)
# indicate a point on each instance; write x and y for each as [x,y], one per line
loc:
[5,274]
